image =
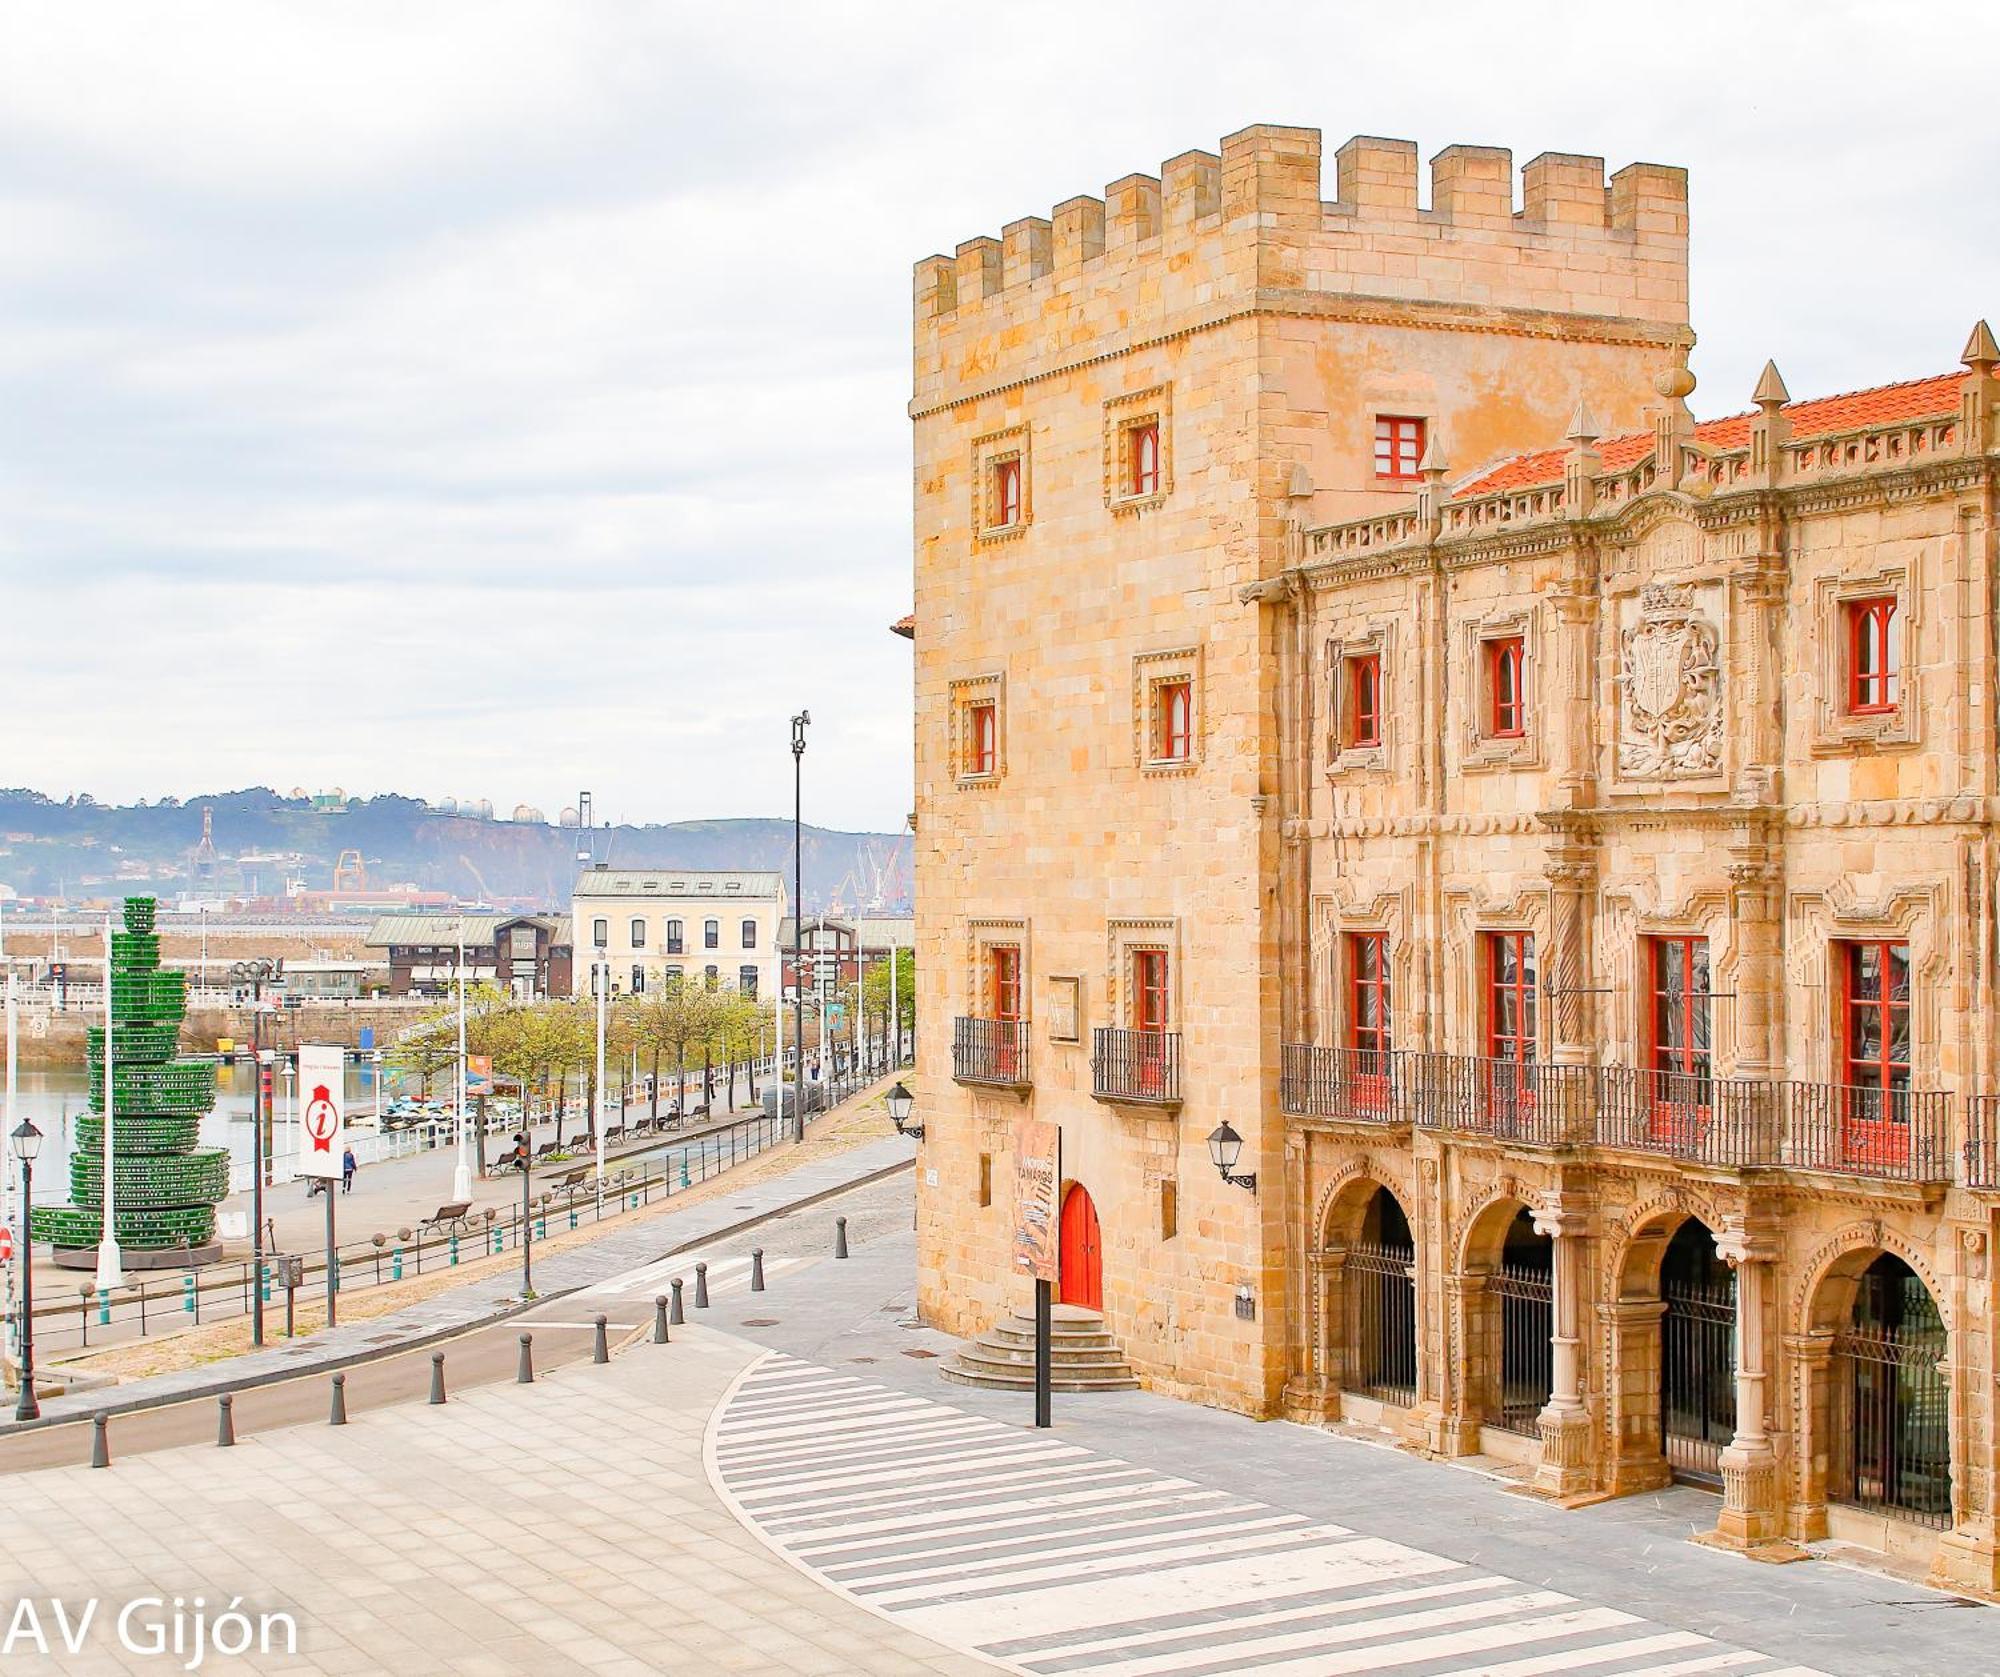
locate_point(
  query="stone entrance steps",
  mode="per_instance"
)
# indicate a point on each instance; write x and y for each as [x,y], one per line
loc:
[1083,1357]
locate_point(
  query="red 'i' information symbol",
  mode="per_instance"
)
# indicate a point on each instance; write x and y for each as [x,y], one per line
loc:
[321,1120]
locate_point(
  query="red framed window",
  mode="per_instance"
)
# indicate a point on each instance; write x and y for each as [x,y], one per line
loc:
[1368,1030]
[981,738]
[1874,657]
[1399,447]
[1143,453]
[1678,1021]
[1006,493]
[1364,699]
[1005,962]
[1173,738]
[1875,1015]
[1149,989]
[1506,689]
[1510,996]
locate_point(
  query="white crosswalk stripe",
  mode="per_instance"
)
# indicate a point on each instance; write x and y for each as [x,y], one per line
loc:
[1050,1558]
[726,1274]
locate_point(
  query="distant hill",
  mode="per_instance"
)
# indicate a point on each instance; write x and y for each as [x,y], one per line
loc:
[79,847]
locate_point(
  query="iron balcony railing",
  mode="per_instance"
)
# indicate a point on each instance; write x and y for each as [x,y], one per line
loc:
[1355,1085]
[1734,1121]
[991,1051]
[1530,1102]
[1899,1135]
[1982,1142]
[1139,1066]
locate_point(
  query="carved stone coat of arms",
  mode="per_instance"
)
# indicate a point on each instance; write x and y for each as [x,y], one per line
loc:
[1670,723]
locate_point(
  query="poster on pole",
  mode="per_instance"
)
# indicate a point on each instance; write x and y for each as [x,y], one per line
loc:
[479,1074]
[1037,1175]
[322,1083]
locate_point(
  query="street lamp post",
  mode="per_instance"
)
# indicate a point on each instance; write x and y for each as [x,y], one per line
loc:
[254,973]
[799,724]
[27,1143]
[601,983]
[461,1177]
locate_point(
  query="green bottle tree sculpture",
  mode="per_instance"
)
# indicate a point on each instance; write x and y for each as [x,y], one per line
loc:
[167,1187]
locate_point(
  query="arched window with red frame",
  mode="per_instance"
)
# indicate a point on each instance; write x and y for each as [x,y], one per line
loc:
[1006,492]
[1364,699]
[1506,687]
[1175,724]
[1874,657]
[1144,454]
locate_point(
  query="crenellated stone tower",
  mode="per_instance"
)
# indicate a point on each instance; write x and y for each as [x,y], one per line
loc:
[1125,414]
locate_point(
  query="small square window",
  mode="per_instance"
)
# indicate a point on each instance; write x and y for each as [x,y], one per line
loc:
[1006,502]
[1364,699]
[1874,657]
[1399,447]
[1506,695]
[1173,721]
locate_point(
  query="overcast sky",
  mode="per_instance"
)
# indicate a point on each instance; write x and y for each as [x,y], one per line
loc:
[498,399]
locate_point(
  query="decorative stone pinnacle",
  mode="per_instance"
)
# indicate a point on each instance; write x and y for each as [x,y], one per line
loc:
[1433,460]
[1583,427]
[1771,393]
[1981,351]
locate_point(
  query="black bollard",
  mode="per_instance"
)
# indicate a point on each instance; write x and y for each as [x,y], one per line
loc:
[100,1441]
[840,1237]
[525,1375]
[701,1286]
[600,1348]
[337,1415]
[437,1377]
[679,1315]
[225,1421]
[660,1319]
[756,1269]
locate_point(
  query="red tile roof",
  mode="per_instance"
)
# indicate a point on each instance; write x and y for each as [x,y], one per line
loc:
[1822,416]
[905,626]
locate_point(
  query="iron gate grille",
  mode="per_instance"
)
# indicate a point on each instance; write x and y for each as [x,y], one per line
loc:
[1527,1349]
[1697,1377]
[1898,1419]
[1381,1306]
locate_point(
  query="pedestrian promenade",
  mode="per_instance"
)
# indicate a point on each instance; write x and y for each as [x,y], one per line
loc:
[562,1528]
[637,1240]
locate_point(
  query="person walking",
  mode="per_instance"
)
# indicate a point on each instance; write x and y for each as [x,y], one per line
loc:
[348,1166]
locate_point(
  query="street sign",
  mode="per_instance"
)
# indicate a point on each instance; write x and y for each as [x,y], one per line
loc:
[6,1244]
[321,1097]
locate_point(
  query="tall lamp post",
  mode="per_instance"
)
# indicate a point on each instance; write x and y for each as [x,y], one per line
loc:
[27,1143]
[600,981]
[461,1177]
[253,973]
[799,723]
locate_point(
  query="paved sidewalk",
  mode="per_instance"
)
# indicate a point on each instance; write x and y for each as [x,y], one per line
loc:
[642,1239]
[544,1531]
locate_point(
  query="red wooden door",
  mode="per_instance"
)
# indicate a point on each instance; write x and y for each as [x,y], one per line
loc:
[1082,1251]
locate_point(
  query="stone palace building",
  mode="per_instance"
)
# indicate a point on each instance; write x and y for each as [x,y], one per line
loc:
[1361,711]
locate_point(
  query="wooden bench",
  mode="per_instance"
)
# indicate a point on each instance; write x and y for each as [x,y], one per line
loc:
[545,1150]
[614,1135]
[452,1218]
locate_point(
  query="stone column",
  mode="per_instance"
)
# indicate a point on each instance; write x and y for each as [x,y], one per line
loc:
[1811,1356]
[1571,871]
[1968,1555]
[1752,1513]
[1453,1428]
[1315,1395]
[1632,1389]
[1565,1421]
[1756,890]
